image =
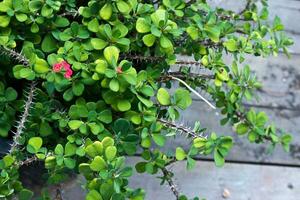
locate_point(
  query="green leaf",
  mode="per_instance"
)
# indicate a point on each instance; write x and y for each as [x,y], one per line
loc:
[193,32]
[8,160]
[183,98]
[142,25]
[50,162]
[11,94]
[180,154]
[145,101]
[4,20]
[26,73]
[25,194]
[61,22]
[68,94]
[165,42]
[75,124]
[35,5]
[163,97]
[111,53]
[45,129]
[231,45]
[70,149]
[219,159]
[123,7]
[130,76]
[159,139]
[108,141]
[93,25]
[106,11]
[149,40]
[49,44]
[147,90]
[41,66]
[124,105]
[110,153]
[98,44]
[199,142]
[159,18]
[105,116]
[93,195]
[98,164]
[70,163]
[101,66]
[59,149]
[21,17]
[96,128]
[34,144]
[114,85]
[213,33]
[78,88]
[242,128]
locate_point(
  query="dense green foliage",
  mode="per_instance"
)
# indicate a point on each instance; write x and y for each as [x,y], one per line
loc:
[99,76]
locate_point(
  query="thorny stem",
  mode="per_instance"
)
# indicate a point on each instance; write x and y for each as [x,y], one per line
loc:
[24,116]
[182,75]
[59,195]
[70,13]
[168,177]
[186,130]
[15,55]
[28,161]
[157,59]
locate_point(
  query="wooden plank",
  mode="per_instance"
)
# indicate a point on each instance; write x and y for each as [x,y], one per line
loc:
[280,99]
[287,10]
[242,181]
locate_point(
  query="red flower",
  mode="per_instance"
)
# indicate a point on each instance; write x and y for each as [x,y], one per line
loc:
[68,74]
[66,65]
[57,67]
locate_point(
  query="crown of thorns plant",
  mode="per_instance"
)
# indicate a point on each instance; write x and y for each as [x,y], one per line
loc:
[99,76]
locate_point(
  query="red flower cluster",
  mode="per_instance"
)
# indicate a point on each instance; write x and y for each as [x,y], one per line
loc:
[57,67]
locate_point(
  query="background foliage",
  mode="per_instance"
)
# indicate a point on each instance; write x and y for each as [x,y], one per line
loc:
[85,84]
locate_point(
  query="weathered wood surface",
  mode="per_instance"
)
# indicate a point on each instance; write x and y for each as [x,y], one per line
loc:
[279,98]
[288,10]
[242,181]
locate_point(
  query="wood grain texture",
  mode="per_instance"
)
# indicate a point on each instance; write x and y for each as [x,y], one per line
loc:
[242,181]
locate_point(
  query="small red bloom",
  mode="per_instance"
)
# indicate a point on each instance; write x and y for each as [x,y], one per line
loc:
[119,70]
[57,67]
[67,67]
[68,74]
